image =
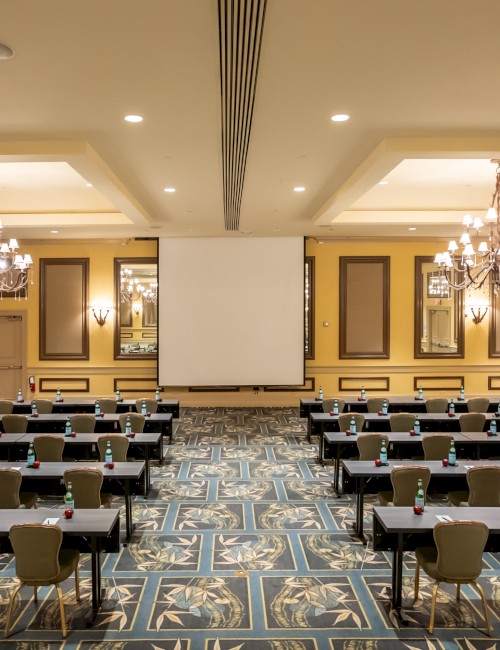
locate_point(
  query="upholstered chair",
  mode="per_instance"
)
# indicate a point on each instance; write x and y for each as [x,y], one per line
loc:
[369,445]
[328,404]
[345,421]
[402,421]
[86,484]
[137,420]
[478,405]
[374,404]
[484,488]
[15,423]
[82,423]
[151,405]
[6,406]
[119,446]
[472,422]
[436,405]
[10,495]
[49,447]
[436,445]
[107,405]
[44,406]
[404,485]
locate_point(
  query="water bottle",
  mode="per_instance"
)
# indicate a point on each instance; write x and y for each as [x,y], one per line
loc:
[416,426]
[383,454]
[118,395]
[493,426]
[419,496]
[462,394]
[335,408]
[320,394]
[67,430]
[97,407]
[144,410]
[420,393]
[128,426]
[58,395]
[69,502]
[157,394]
[452,454]
[363,393]
[452,407]
[33,407]
[19,395]
[108,457]
[385,408]
[31,455]
[352,425]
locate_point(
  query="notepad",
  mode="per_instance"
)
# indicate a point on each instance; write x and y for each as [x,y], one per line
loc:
[17,468]
[444,518]
[51,521]
[468,466]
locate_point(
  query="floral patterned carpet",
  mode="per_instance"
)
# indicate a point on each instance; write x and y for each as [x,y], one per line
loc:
[242,545]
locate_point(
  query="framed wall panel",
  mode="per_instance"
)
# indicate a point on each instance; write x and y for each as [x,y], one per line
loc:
[64,309]
[364,308]
[309,308]
[494,331]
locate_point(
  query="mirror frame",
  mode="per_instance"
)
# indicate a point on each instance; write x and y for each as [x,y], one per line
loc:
[418,327]
[119,262]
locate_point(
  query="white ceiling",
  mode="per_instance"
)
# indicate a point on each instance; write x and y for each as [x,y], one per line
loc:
[419,80]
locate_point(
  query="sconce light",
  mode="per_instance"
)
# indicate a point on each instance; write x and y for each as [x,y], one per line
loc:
[478,312]
[137,308]
[100,314]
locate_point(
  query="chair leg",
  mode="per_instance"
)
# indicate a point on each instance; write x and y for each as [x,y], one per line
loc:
[485,606]
[61,608]
[433,607]
[11,609]
[77,583]
[35,595]
[458,591]
[417,579]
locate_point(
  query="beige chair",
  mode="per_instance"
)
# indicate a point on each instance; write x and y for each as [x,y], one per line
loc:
[457,558]
[478,405]
[374,404]
[402,421]
[15,423]
[328,404]
[10,495]
[151,405]
[369,445]
[84,423]
[107,405]
[137,420]
[43,406]
[119,447]
[436,405]
[472,422]
[436,445]
[86,484]
[404,485]
[6,406]
[345,421]
[484,488]
[49,447]
[40,561]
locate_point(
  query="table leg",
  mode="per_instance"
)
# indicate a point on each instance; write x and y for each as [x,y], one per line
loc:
[96,575]
[128,512]
[360,493]
[309,427]
[336,474]
[147,481]
[321,447]
[397,578]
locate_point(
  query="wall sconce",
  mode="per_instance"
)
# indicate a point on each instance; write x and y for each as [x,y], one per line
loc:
[100,314]
[478,312]
[137,308]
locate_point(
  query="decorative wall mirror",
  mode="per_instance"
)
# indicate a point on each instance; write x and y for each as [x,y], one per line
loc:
[136,313]
[439,314]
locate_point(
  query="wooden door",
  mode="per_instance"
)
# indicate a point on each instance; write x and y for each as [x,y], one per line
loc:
[11,356]
[440,328]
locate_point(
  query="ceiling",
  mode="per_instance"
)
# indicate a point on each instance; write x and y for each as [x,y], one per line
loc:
[418,79]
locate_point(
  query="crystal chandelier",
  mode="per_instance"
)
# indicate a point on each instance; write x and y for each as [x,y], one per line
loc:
[131,289]
[15,269]
[477,261]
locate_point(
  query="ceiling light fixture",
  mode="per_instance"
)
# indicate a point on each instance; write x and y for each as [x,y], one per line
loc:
[299,189]
[412,228]
[134,119]
[472,267]
[55,232]
[169,190]
[15,269]
[340,117]
[383,182]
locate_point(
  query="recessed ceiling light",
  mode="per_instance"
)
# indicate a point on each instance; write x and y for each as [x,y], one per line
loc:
[6,52]
[169,189]
[411,228]
[55,232]
[383,182]
[89,184]
[299,189]
[340,117]
[133,118]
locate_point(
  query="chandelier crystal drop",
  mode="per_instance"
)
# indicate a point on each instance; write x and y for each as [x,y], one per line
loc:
[473,262]
[15,269]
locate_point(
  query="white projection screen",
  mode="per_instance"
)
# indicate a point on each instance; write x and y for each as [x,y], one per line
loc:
[231,311]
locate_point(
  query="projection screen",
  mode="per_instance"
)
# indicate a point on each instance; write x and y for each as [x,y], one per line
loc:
[231,311]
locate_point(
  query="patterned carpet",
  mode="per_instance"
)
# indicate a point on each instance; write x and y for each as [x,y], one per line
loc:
[242,545]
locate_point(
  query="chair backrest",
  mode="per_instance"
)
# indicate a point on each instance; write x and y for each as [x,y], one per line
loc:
[402,421]
[345,421]
[460,546]
[36,547]
[374,404]
[86,483]
[48,447]
[436,445]
[436,405]
[15,423]
[328,404]
[10,484]
[472,421]
[119,447]
[6,406]
[43,406]
[369,445]
[404,483]
[137,420]
[84,423]
[484,486]
[151,405]
[478,405]
[108,405]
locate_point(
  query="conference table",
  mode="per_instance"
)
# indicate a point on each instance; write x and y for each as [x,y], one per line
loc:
[87,405]
[106,423]
[122,472]
[94,525]
[363,470]
[400,529]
